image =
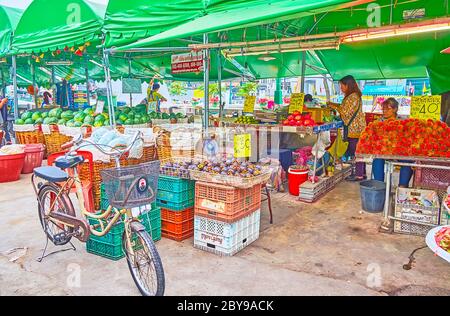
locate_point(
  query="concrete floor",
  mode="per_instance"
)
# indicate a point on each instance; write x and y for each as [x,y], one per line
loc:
[326,248]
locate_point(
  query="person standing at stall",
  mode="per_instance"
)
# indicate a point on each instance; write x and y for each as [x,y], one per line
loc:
[354,120]
[154,98]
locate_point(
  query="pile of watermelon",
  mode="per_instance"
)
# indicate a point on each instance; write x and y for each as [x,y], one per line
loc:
[132,116]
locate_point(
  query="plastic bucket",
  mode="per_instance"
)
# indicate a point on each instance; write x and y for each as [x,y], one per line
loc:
[372,195]
[10,167]
[296,178]
[34,154]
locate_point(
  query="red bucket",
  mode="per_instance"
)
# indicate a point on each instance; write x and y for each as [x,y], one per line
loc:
[34,154]
[10,167]
[296,178]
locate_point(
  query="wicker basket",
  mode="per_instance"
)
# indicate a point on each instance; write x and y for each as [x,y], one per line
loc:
[55,140]
[183,153]
[31,137]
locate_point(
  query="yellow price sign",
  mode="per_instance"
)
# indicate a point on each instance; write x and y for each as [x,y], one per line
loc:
[297,102]
[242,146]
[426,107]
[249,104]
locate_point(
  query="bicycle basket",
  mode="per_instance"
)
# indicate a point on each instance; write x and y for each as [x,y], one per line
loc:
[130,187]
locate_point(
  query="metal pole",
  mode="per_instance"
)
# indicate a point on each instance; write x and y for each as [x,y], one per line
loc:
[219,81]
[14,78]
[88,96]
[129,75]
[33,71]
[302,86]
[112,119]
[206,84]
[3,85]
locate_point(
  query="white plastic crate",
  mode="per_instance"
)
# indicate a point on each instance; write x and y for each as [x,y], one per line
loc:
[226,239]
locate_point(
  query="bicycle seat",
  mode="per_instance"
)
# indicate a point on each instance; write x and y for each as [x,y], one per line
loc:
[51,174]
[68,162]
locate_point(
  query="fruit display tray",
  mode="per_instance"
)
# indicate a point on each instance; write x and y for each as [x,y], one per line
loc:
[237,182]
[176,172]
[367,157]
[306,130]
[431,243]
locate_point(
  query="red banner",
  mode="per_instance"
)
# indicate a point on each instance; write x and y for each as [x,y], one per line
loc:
[191,62]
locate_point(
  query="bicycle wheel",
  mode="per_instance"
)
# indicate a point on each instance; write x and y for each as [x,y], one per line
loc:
[55,231]
[144,263]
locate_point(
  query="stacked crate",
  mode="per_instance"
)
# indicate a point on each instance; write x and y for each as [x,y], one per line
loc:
[227,219]
[175,197]
[110,245]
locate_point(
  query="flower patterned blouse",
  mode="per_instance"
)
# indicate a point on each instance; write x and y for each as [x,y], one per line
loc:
[349,106]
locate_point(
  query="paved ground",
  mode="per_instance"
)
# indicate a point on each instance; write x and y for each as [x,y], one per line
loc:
[326,248]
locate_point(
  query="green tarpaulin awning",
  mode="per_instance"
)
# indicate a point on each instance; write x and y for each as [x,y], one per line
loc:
[9,17]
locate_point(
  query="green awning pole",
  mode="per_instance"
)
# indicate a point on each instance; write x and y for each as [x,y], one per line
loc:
[129,76]
[14,78]
[88,96]
[219,82]
[278,98]
[112,119]
[33,71]
[303,71]
[206,84]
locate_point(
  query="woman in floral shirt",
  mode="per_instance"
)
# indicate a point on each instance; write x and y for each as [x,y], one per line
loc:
[352,114]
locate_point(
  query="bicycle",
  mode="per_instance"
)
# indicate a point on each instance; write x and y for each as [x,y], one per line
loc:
[126,188]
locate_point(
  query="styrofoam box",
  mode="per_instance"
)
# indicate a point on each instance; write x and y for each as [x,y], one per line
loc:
[223,238]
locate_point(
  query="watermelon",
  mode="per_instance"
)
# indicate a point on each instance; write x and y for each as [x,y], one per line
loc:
[126,110]
[70,123]
[153,115]
[44,115]
[20,122]
[36,116]
[24,115]
[89,120]
[29,121]
[123,117]
[39,121]
[62,122]
[158,116]
[99,117]
[79,117]
[144,120]
[55,112]
[67,115]
[180,115]
[129,122]
[131,115]
[88,111]
[47,120]
[119,122]
[137,121]
[53,120]
[77,124]
[165,116]
[98,123]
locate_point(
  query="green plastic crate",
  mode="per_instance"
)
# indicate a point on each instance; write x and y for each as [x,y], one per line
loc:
[175,206]
[176,197]
[114,251]
[114,236]
[110,245]
[173,184]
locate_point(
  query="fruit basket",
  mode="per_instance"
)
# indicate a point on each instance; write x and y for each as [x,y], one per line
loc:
[179,167]
[234,181]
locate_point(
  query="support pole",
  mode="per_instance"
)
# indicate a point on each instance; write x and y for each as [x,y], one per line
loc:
[33,72]
[53,86]
[219,81]
[129,76]
[14,78]
[88,94]
[302,86]
[3,85]
[278,97]
[206,84]
[112,118]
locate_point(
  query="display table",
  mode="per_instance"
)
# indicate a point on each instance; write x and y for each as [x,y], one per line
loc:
[390,163]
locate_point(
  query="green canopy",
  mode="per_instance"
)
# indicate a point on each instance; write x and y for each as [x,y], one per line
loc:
[53,24]
[9,17]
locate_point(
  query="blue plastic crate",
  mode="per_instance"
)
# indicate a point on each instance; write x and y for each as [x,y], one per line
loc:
[175,206]
[172,184]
